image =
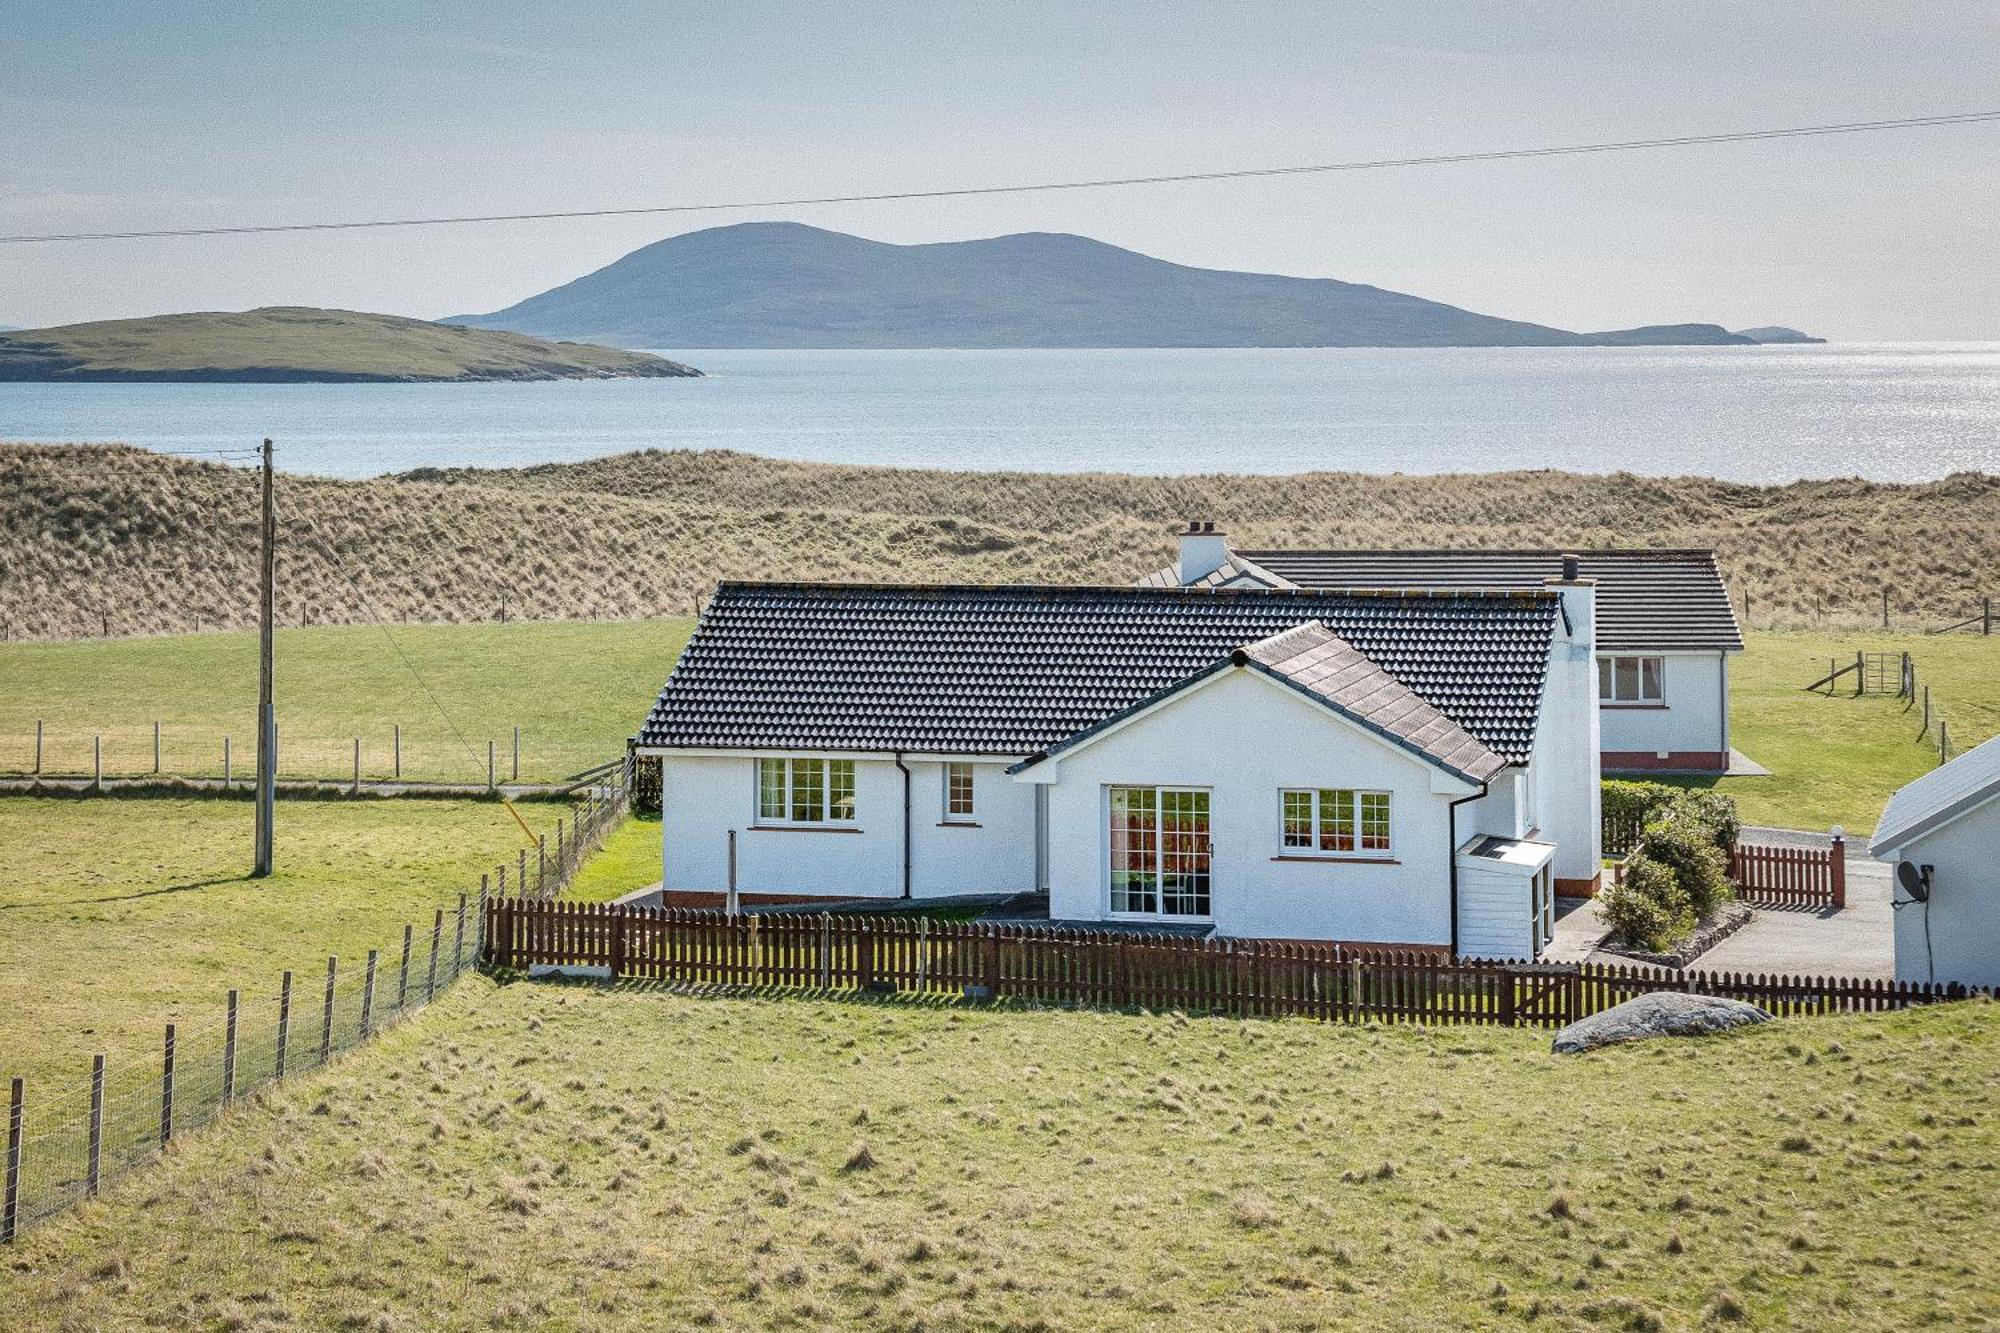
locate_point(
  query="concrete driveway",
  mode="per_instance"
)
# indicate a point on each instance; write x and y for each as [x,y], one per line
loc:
[1857,941]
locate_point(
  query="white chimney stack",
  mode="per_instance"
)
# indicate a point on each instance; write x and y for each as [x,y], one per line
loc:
[1203,551]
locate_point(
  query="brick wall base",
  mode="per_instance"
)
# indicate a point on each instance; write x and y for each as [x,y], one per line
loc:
[1579,888]
[1678,761]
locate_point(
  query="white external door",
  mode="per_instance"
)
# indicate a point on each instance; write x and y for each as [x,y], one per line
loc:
[1160,852]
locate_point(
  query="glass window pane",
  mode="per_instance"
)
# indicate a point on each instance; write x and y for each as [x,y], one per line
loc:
[1336,820]
[1134,849]
[1375,821]
[840,789]
[958,790]
[808,790]
[1184,853]
[1298,813]
[1627,679]
[770,789]
[1650,671]
[1604,678]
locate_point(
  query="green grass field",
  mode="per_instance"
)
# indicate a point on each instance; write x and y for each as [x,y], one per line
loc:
[629,860]
[124,915]
[576,691]
[1836,760]
[551,1157]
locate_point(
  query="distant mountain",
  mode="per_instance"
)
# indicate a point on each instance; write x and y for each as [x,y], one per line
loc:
[1671,335]
[782,284]
[1777,333]
[297,343]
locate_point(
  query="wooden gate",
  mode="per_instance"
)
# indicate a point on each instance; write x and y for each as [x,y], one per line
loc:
[1540,995]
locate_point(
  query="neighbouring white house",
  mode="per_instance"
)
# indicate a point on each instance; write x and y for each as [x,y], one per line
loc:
[1946,827]
[1665,628]
[1392,768]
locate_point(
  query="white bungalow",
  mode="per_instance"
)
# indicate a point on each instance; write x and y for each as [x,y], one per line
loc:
[1406,769]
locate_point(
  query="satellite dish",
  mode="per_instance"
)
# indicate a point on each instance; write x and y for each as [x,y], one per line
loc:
[1914,881]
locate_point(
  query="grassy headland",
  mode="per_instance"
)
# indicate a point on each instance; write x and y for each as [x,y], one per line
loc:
[592,1159]
[293,344]
[90,535]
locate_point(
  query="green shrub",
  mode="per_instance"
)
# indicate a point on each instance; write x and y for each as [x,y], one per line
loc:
[1641,803]
[1647,908]
[1684,843]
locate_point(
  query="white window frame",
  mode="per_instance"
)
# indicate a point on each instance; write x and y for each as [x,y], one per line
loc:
[821,774]
[1160,873]
[953,769]
[1608,685]
[1321,821]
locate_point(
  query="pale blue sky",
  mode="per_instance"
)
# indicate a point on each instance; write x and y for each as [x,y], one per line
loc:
[171,114]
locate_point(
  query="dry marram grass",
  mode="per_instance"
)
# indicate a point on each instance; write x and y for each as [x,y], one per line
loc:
[154,542]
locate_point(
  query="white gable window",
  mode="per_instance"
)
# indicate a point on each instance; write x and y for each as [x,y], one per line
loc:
[805,791]
[1336,821]
[1631,680]
[958,794]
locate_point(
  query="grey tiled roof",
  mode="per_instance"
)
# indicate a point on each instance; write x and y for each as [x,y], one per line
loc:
[1014,670]
[1235,572]
[1320,662]
[1646,599]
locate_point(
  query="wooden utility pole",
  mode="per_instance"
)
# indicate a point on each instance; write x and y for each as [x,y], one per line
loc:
[267,716]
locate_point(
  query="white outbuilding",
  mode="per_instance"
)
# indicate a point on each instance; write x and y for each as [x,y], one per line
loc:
[1946,827]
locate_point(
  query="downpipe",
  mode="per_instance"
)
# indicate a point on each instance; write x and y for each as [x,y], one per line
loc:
[904,769]
[1451,857]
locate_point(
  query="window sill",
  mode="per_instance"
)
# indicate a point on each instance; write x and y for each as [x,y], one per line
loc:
[804,828]
[1632,708]
[960,823]
[1333,858]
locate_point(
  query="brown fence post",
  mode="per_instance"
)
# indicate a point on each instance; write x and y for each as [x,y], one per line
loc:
[437,938]
[458,941]
[403,981]
[865,956]
[96,1126]
[617,942]
[326,1012]
[993,963]
[167,1091]
[156,748]
[229,1050]
[284,1023]
[368,996]
[10,1215]
[1836,868]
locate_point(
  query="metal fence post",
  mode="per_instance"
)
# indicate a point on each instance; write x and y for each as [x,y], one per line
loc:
[96,1126]
[489,765]
[399,751]
[368,996]
[97,762]
[561,863]
[156,747]
[437,937]
[229,1051]
[38,746]
[225,763]
[10,1214]
[458,935]
[357,765]
[521,878]
[284,1023]
[167,1091]
[326,1013]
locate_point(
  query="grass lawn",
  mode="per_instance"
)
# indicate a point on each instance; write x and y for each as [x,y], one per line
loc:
[576,690]
[629,859]
[125,914]
[1836,760]
[538,1156]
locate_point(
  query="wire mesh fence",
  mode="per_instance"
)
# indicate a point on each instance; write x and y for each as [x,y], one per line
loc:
[123,1115]
[62,1148]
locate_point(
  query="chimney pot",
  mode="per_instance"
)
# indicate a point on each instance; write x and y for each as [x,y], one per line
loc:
[1572,567]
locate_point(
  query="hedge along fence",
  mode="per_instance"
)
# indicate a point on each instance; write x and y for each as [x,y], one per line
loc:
[60,1151]
[1106,969]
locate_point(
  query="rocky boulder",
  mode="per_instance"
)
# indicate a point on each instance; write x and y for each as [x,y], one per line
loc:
[1663,1014]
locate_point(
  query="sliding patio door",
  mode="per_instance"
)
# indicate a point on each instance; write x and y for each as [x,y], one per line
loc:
[1160,852]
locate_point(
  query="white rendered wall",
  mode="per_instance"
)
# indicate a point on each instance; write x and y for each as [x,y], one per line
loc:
[704,797]
[1246,739]
[1964,906]
[1695,716]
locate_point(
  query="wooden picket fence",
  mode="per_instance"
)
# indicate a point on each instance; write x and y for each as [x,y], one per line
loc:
[1790,876]
[1116,970]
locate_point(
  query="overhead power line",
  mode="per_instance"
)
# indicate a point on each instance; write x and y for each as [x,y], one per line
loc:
[1113,182]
